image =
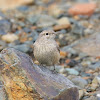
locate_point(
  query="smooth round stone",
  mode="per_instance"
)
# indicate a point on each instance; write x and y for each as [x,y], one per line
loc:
[9,37]
[63,20]
[79,82]
[71,71]
[83,74]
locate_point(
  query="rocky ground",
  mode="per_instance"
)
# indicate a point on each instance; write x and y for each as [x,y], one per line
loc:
[78,26]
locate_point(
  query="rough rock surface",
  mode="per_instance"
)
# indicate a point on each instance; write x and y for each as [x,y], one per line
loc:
[23,80]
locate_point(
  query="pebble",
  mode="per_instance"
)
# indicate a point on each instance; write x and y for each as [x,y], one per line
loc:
[63,20]
[71,71]
[83,9]
[95,66]
[22,47]
[81,94]
[9,37]
[98,96]
[91,98]
[72,63]
[33,18]
[79,82]
[88,31]
[33,35]
[45,21]
[94,84]
[83,74]
[5,26]
[98,78]
[69,49]
[77,29]
[55,10]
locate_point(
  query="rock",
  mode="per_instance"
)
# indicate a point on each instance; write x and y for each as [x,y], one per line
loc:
[72,71]
[89,45]
[55,10]
[95,65]
[20,23]
[77,29]
[69,50]
[79,82]
[72,63]
[45,21]
[63,31]
[92,98]
[22,47]
[33,19]
[2,90]
[9,37]
[5,26]
[94,84]
[81,94]
[29,81]
[98,96]
[98,78]
[33,35]
[83,9]
[27,30]
[8,4]
[60,27]
[83,74]
[63,54]
[63,20]
[88,31]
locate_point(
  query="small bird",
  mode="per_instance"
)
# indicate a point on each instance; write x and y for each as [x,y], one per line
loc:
[46,50]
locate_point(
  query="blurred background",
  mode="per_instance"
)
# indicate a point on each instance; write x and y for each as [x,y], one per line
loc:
[78,24]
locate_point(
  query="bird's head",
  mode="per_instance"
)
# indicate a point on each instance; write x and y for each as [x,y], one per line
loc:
[47,34]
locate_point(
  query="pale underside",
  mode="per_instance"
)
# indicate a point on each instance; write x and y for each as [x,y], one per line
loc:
[47,54]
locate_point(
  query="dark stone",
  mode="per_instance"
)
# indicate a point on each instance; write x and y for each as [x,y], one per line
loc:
[5,26]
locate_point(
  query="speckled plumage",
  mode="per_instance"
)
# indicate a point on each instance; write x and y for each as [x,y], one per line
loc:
[46,50]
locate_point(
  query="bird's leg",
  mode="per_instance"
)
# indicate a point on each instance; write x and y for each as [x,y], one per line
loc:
[42,65]
[54,71]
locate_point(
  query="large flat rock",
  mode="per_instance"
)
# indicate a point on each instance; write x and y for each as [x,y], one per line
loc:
[23,80]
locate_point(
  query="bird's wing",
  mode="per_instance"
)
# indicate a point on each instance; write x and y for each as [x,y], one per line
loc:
[58,48]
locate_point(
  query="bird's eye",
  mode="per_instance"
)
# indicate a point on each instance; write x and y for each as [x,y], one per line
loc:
[46,33]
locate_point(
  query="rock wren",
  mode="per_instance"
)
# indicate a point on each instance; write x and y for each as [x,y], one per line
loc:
[46,50]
